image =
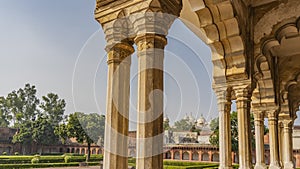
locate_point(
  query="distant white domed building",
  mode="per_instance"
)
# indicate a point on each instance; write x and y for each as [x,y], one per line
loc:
[179,137]
[201,122]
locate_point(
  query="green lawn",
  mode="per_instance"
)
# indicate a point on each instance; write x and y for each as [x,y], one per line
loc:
[36,161]
[68,160]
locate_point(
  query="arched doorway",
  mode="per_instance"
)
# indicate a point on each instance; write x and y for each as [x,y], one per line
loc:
[168,155]
[176,155]
[185,156]
[215,157]
[205,157]
[195,156]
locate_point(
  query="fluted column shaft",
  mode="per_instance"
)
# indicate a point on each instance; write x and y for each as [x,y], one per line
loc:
[280,141]
[259,140]
[224,105]
[243,109]
[118,90]
[273,138]
[287,147]
[150,101]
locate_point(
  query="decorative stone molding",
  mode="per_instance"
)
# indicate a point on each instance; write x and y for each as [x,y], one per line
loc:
[222,32]
[104,12]
[289,75]
[150,41]
[118,53]
[284,11]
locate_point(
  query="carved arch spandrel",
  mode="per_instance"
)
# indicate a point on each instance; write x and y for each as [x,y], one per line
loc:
[221,31]
[284,74]
[264,93]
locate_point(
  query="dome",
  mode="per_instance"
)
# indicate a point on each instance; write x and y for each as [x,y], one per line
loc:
[166,119]
[201,120]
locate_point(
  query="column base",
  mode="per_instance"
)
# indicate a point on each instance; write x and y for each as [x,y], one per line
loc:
[274,165]
[260,166]
[288,165]
[223,167]
[244,167]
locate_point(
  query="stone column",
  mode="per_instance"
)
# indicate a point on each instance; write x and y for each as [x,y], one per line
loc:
[224,105]
[287,151]
[280,141]
[150,100]
[118,90]
[273,139]
[243,109]
[259,140]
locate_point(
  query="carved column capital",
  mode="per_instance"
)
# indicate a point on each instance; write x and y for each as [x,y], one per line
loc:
[224,99]
[242,93]
[258,116]
[272,114]
[150,41]
[152,22]
[118,53]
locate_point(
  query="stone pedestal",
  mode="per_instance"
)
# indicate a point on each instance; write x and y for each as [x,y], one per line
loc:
[150,101]
[118,90]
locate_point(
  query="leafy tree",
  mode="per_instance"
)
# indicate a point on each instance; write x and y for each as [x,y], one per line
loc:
[86,128]
[43,132]
[194,129]
[183,125]
[48,120]
[166,126]
[214,125]
[34,122]
[23,104]
[62,131]
[53,108]
[5,115]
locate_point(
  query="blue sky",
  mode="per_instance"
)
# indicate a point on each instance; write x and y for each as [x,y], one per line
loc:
[59,47]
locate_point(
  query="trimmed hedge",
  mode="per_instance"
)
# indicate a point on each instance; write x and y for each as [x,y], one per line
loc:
[46,159]
[15,166]
[185,163]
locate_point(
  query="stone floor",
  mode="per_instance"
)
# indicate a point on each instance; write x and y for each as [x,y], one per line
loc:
[92,167]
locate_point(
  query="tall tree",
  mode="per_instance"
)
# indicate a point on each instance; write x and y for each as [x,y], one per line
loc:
[86,128]
[43,133]
[53,108]
[62,130]
[183,125]
[5,115]
[214,125]
[52,112]
[23,104]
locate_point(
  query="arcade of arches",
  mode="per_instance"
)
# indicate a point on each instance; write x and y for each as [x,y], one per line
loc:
[256,58]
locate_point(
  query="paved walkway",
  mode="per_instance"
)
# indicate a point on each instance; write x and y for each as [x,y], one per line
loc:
[92,167]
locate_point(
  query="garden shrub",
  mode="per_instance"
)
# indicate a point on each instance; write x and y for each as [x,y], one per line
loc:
[35,160]
[4,153]
[67,159]
[39,165]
